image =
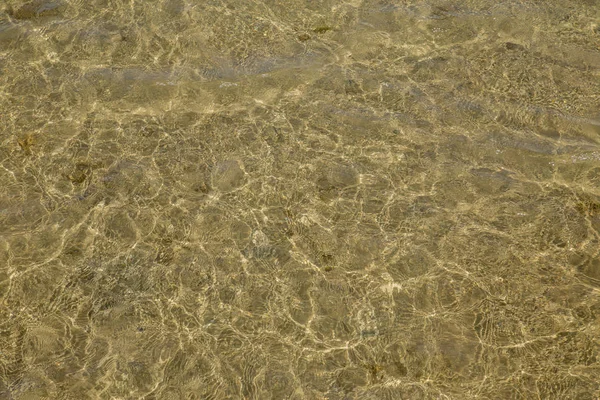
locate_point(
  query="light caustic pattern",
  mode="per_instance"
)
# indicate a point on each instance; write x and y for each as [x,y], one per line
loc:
[299,200]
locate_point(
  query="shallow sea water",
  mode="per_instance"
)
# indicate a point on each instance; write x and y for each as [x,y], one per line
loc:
[307,199]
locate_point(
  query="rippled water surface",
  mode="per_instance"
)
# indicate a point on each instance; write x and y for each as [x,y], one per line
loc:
[301,199]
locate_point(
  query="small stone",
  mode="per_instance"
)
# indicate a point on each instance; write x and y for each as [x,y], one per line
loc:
[513,46]
[303,37]
[322,29]
[26,142]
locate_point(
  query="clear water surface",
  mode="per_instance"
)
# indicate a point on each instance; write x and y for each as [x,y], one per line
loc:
[294,199]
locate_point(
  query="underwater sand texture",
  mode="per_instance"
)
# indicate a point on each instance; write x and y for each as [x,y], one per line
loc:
[299,200]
